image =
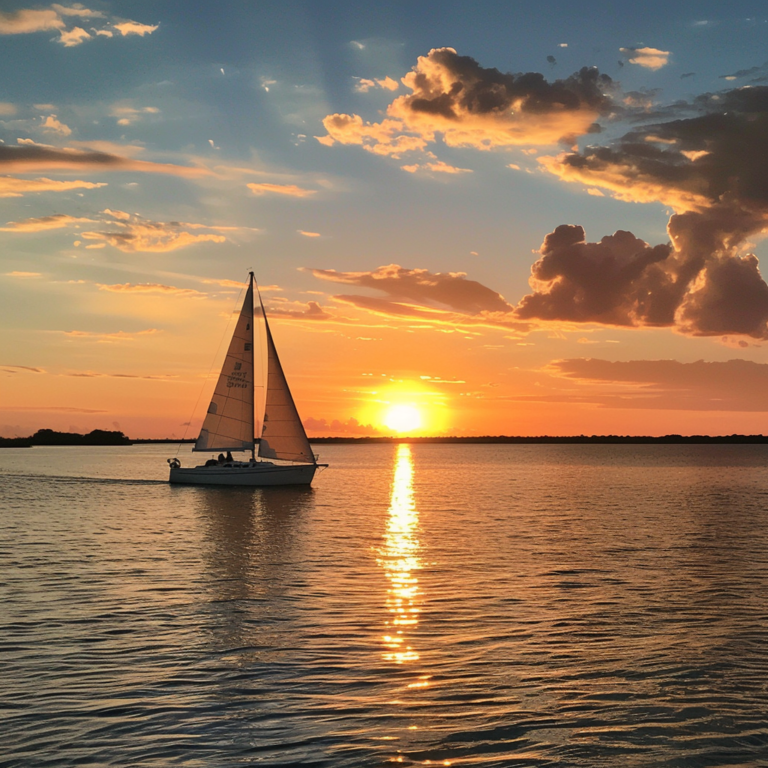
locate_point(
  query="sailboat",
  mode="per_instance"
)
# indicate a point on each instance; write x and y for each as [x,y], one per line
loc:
[284,454]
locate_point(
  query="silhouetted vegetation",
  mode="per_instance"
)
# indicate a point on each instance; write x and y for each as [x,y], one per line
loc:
[51,437]
[15,442]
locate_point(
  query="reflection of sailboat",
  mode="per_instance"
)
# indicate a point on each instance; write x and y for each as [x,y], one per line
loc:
[249,544]
[399,558]
[229,423]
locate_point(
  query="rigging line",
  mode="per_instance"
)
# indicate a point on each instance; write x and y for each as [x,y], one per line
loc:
[213,362]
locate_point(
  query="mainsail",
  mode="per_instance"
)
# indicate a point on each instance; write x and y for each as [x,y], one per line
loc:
[228,425]
[283,436]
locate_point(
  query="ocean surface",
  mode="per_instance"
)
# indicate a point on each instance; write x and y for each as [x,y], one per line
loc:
[489,605]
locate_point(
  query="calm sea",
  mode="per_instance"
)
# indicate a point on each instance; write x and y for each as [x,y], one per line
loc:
[420,605]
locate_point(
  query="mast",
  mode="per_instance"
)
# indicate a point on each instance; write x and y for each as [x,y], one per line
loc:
[253,360]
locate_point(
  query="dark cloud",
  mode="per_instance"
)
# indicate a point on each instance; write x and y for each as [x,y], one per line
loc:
[712,169]
[31,158]
[687,74]
[699,285]
[552,60]
[451,290]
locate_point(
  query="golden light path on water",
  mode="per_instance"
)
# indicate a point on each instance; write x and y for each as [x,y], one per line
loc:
[399,558]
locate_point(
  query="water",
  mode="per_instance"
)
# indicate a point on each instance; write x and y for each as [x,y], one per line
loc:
[424,605]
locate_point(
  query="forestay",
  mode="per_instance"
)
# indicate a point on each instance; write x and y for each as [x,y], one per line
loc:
[228,425]
[283,436]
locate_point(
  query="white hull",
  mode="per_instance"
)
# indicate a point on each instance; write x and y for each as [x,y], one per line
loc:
[260,474]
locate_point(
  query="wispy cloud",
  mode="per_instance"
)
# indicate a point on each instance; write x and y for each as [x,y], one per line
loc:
[11,186]
[144,288]
[44,223]
[136,234]
[289,190]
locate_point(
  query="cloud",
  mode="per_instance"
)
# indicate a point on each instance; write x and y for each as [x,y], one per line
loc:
[53,125]
[60,17]
[388,84]
[21,368]
[734,385]
[699,285]
[126,28]
[449,290]
[151,288]
[31,158]
[436,167]
[43,223]
[7,109]
[350,427]
[25,21]
[291,190]
[23,274]
[107,338]
[74,36]
[311,311]
[142,235]
[308,234]
[13,187]
[712,169]
[650,58]
[127,115]
[469,105]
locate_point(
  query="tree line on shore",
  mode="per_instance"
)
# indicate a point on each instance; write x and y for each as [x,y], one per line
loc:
[114,437]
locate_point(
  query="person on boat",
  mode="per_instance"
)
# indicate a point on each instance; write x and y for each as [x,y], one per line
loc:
[211,463]
[229,456]
[221,459]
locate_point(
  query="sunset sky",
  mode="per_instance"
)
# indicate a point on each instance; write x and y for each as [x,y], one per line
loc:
[498,217]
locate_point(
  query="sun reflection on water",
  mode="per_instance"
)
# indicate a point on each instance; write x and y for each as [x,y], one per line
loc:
[399,558]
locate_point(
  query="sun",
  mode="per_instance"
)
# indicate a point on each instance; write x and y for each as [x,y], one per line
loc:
[403,418]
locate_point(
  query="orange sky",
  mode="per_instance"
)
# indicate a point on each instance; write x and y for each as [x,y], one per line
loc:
[511,224]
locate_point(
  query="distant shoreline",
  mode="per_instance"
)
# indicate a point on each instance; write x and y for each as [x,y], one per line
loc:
[103,438]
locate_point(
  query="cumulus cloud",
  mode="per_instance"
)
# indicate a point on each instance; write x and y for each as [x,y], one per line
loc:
[137,234]
[54,125]
[650,58]
[734,385]
[71,37]
[290,190]
[469,105]
[388,84]
[712,169]
[699,285]
[43,223]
